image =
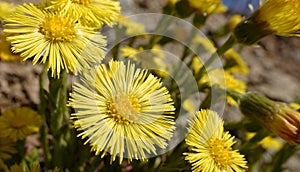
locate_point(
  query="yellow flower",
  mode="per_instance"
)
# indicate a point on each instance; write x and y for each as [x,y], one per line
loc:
[92,13]
[207,7]
[54,39]
[130,52]
[123,110]
[276,117]
[18,123]
[226,80]
[5,53]
[279,17]
[6,9]
[268,142]
[7,147]
[210,147]
[235,63]
[132,28]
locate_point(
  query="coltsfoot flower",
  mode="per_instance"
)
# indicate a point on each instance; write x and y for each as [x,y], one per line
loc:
[279,17]
[93,13]
[18,123]
[210,147]
[55,39]
[276,117]
[207,7]
[7,147]
[123,111]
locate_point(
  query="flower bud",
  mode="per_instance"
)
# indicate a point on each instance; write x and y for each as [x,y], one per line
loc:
[276,117]
[279,17]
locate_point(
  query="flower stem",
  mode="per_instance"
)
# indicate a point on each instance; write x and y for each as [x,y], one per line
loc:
[58,110]
[42,110]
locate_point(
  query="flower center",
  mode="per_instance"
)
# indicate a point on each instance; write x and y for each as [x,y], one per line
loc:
[82,1]
[19,123]
[220,152]
[124,108]
[58,28]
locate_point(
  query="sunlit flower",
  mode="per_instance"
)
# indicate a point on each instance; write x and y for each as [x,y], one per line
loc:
[210,147]
[7,147]
[123,110]
[6,9]
[235,63]
[5,52]
[54,39]
[207,6]
[93,13]
[18,123]
[279,17]
[274,116]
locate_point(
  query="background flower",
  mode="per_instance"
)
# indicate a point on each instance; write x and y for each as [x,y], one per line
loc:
[18,123]
[55,39]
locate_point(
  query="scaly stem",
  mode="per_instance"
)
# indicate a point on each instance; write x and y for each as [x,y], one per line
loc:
[42,112]
[58,110]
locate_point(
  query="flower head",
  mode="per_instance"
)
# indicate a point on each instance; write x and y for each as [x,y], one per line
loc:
[211,147]
[207,7]
[7,147]
[279,17]
[276,117]
[54,39]
[123,110]
[92,13]
[18,123]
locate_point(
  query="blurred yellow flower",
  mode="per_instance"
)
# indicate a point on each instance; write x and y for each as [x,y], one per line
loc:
[131,28]
[92,13]
[268,142]
[207,7]
[123,110]
[6,9]
[7,147]
[225,80]
[279,17]
[295,106]
[235,63]
[18,123]
[54,39]
[5,52]
[131,52]
[210,147]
